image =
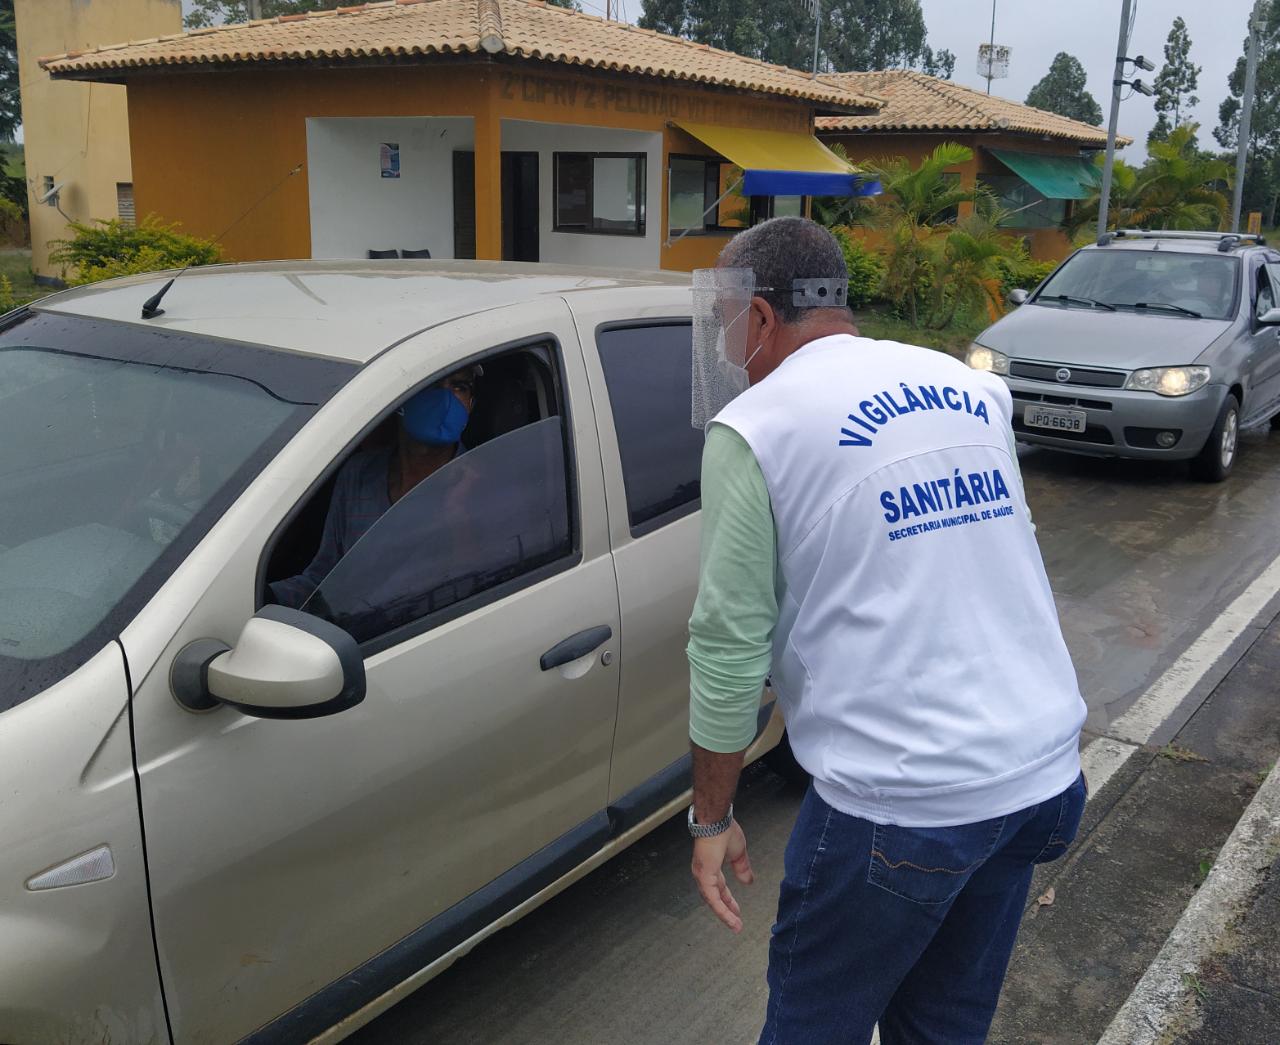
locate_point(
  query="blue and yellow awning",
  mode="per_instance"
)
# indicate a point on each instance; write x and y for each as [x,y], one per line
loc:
[783,163]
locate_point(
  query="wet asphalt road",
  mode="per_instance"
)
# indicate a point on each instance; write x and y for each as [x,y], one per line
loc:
[1141,560]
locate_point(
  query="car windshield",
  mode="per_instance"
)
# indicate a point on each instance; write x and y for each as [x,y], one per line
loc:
[119,448]
[1167,282]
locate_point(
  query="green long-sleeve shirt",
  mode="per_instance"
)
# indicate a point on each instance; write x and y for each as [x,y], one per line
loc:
[731,630]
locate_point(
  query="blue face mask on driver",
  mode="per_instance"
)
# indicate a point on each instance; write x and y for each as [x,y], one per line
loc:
[434,416]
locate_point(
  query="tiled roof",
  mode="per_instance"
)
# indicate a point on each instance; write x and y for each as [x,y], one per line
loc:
[405,29]
[917,102]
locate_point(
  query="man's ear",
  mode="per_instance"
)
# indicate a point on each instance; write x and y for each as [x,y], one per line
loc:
[768,320]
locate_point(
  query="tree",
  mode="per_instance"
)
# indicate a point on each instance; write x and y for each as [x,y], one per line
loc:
[856,34]
[1176,83]
[1179,187]
[10,101]
[1262,170]
[1063,91]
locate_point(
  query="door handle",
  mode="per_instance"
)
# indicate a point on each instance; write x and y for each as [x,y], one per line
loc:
[576,646]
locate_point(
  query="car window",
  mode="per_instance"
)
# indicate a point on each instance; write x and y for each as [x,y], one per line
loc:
[1264,292]
[113,464]
[1200,283]
[648,371]
[494,515]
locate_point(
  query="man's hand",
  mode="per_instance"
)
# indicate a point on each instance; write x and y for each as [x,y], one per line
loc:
[709,855]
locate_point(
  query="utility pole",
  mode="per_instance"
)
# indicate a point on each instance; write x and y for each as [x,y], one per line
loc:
[817,30]
[992,45]
[1104,200]
[255,10]
[1256,27]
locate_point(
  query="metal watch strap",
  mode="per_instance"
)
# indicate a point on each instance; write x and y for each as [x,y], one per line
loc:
[710,830]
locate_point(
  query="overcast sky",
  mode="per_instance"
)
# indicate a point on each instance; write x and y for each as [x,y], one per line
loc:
[1036,30]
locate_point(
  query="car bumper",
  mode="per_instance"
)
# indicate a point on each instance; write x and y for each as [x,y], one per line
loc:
[1119,423]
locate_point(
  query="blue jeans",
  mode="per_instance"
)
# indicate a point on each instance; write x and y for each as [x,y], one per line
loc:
[908,927]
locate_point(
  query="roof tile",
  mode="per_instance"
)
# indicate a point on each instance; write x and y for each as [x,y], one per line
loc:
[915,101]
[402,28]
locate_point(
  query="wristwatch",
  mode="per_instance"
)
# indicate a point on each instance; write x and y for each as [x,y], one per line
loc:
[710,830]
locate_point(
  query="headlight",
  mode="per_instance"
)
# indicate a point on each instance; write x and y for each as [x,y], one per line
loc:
[982,358]
[1169,380]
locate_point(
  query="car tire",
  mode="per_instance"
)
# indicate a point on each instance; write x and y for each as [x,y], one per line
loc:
[782,760]
[1218,456]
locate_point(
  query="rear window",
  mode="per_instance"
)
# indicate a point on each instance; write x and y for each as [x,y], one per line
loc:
[648,370]
[1167,282]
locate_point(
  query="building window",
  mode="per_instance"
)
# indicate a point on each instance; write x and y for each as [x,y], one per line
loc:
[765,207]
[124,204]
[952,214]
[599,192]
[703,197]
[1025,207]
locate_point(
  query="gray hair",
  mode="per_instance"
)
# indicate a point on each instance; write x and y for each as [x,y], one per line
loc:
[782,250]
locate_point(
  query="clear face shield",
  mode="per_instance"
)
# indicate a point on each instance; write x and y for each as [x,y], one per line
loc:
[721,314]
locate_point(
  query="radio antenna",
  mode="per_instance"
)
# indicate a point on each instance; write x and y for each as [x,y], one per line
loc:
[151,307]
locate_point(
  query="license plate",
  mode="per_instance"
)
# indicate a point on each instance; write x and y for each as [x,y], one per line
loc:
[1054,418]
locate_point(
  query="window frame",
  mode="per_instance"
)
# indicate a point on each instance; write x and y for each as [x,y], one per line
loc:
[671,515]
[420,626]
[709,228]
[984,178]
[642,188]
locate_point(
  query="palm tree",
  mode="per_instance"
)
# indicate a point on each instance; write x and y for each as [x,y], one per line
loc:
[1179,187]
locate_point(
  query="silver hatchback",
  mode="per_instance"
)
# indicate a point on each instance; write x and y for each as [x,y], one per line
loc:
[1146,345]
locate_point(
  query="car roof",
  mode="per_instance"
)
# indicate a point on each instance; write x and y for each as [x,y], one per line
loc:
[1179,245]
[347,310]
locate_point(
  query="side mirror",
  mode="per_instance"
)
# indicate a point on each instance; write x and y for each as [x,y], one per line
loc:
[1270,317]
[286,664]
[1017,296]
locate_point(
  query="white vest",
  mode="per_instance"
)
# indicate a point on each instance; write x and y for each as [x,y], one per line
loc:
[917,656]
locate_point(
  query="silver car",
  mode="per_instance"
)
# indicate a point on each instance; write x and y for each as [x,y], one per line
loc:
[225,818]
[1147,345]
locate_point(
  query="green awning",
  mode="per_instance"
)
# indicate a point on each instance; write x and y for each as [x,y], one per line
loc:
[1054,177]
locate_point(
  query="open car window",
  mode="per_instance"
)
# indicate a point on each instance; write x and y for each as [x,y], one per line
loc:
[495,515]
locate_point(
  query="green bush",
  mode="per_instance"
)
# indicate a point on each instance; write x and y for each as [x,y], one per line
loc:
[102,249]
[1024,273]
[866,269]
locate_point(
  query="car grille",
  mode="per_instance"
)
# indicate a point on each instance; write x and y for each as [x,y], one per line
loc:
[1052,400]
[1079,375]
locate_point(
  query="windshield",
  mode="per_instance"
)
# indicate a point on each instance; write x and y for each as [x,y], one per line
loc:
[1163,281]
[119,448]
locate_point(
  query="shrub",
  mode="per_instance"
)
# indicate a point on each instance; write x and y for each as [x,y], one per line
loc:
[101,249]
[13,222]
[866,269]
[1022,272]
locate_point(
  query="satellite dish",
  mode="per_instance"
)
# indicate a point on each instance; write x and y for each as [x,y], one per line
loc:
[50,195]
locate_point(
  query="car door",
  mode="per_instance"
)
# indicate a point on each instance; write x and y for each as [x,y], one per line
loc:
[300,869]
[1264,351]
[640,372]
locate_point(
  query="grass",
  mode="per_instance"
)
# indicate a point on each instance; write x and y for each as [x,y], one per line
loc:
[880,323]
[16,264]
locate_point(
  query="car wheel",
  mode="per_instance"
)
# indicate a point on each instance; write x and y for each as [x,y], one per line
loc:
[782,760]
[1218,456]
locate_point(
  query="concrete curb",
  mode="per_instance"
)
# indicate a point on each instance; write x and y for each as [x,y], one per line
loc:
[1156,1001]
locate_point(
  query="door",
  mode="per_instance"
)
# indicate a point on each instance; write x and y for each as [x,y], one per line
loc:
[641,371]
[1264,348]
[288,857]
[519,206]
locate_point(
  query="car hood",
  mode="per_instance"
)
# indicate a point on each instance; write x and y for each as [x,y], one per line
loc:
[1093,337]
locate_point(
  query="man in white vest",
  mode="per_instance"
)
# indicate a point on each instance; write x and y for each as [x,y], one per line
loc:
[867,545]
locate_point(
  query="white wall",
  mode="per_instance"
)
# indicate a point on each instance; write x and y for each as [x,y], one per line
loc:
[354,209]
[575,248]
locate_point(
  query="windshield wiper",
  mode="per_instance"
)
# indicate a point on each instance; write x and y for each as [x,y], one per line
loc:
[1068,299]
[1165,304]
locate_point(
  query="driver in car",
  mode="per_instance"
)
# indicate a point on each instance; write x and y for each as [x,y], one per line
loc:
[428,435]
[1209,295]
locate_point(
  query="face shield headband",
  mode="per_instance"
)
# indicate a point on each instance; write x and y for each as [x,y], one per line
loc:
[721,313]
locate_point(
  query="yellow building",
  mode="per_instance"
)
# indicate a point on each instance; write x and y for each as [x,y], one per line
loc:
[76,135]
[467,128]
[1038,164]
